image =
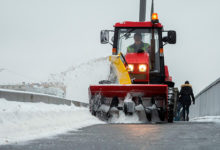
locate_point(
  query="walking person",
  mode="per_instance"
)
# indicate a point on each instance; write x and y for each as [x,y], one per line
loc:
[186,97]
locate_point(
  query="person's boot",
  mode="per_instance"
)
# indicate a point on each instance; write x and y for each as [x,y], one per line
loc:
[187,118]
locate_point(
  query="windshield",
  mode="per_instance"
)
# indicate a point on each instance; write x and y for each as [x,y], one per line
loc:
[138,40]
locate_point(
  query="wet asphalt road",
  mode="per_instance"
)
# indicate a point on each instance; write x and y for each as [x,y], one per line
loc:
[176,136]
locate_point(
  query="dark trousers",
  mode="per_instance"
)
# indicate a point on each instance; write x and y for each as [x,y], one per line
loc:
[186,112]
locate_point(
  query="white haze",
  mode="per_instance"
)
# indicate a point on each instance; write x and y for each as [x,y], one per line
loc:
[47,36]
[77,79]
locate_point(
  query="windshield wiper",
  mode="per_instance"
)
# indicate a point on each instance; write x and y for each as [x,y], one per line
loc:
[127,34]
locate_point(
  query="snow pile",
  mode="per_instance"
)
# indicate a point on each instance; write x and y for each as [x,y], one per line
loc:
[206,119]
[26,121]
[78,78]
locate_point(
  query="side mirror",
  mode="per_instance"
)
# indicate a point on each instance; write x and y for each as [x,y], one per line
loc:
[104,36]
[170,38]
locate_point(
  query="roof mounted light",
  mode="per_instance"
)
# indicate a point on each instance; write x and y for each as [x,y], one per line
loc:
[154,18]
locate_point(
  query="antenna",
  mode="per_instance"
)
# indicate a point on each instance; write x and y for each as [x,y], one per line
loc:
[142,13]
[152,8]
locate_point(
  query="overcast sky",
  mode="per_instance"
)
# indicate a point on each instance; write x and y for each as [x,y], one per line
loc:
[39,37]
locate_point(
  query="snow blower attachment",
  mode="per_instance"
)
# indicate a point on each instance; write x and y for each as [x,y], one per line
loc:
[139,82]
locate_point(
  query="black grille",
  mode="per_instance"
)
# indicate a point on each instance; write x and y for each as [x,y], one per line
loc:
[138,76]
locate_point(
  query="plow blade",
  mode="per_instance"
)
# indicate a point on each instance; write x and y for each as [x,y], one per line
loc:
[143,90]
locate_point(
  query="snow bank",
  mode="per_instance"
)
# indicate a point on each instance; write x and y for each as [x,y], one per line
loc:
[78,78]
[26,121]
[206,119]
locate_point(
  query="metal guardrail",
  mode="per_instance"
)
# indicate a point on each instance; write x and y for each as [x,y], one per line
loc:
[207,101]
[20,96]
[208,87]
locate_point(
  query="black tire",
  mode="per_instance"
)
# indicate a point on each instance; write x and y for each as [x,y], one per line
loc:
[161,114]
[170,116]
[149,117]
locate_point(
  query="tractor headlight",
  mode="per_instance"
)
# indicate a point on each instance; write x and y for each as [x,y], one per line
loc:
[142,68]
[130,67]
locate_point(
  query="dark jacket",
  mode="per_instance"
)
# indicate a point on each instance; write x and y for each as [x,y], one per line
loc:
[186,94]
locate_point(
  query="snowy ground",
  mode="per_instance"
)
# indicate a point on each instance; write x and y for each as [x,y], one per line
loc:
[26,121]
[206,119]
[124,119]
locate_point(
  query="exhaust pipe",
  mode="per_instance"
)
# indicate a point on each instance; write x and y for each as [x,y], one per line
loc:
[142,13]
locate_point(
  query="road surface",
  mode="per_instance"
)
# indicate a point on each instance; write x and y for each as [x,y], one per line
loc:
[176,136]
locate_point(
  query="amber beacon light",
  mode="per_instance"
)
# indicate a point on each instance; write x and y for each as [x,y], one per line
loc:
[154,18]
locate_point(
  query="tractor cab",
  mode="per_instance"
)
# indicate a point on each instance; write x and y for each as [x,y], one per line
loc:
[141,44]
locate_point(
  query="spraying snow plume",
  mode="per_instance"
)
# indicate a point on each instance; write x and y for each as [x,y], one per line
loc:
[78,78]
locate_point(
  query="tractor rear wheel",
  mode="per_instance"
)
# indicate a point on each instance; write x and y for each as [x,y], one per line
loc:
[170,104]
[170,116]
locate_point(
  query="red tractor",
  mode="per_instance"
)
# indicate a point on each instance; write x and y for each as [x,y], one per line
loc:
[139,81]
